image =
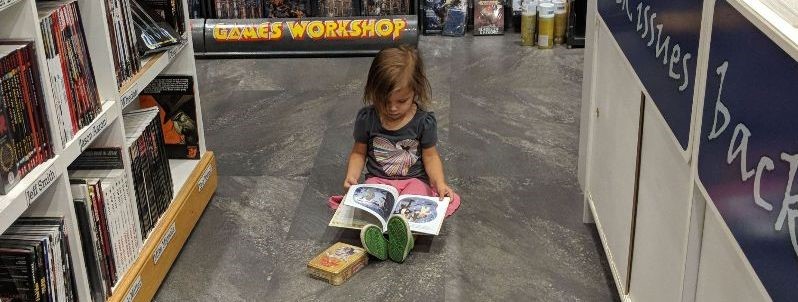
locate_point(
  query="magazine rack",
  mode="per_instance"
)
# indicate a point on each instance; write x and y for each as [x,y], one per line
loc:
[46,189]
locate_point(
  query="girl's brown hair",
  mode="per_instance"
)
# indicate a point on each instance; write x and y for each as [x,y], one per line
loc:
[396,68]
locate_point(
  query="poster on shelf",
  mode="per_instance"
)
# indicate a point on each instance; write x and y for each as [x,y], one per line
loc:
[660,40]
[748,152]
[343,35]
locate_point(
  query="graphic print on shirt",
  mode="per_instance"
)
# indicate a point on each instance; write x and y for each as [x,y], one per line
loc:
[395,159]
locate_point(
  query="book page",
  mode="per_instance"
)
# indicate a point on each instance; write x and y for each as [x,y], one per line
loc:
[352,218]
[424,214]
[378,200]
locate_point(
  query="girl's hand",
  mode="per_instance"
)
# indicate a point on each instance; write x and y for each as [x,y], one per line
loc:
[444,190]
[348,182]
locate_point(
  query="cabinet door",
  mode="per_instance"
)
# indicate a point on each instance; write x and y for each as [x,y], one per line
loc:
[614,153]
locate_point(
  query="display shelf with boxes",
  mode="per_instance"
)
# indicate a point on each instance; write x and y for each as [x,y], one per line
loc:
[89,115]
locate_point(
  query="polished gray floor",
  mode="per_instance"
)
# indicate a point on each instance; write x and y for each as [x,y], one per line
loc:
[508,121]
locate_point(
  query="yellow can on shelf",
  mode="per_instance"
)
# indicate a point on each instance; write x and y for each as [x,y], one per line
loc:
[545,25]
[529,19]
[560,21]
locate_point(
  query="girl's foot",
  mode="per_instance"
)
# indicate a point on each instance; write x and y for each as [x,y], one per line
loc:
[400,240]
[373,241]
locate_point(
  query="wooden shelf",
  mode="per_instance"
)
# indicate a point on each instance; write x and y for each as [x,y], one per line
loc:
[150,68]
[160,250]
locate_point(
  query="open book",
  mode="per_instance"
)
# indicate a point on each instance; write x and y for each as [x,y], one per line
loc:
[374,204]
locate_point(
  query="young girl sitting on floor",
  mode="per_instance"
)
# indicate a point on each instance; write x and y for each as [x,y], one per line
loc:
[395,139]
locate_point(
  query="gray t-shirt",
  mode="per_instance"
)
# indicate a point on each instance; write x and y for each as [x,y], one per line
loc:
[395,154]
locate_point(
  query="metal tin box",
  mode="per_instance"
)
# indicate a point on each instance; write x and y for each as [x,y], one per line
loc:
[338,263]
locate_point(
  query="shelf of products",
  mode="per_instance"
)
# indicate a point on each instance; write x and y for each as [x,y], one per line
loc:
[150,68]
[142,281]
[85,152]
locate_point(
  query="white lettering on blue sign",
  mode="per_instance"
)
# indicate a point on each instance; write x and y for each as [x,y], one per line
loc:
[738,148]
[671,55]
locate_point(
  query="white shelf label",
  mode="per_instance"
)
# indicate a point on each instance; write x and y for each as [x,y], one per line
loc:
[164,243]
[93,132]
[41,184]
[130,96]
[204,178]
[134,290]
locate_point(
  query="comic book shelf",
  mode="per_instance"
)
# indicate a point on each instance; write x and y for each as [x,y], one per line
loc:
[45,191]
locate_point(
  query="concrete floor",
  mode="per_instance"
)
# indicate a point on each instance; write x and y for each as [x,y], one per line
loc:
[508,131]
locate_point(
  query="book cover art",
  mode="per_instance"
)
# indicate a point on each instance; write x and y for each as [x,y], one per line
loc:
[385,7]
[174,97]
[417,210]
[488,18]
[379,201]
[335,8]
[434,13]
[288,9]
[454,24]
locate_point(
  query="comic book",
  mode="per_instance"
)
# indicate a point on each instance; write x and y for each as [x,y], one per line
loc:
[434,12]
[489,18]
[336,8]
[288,8]
[454,23]
[385,7]
[374,204]
[174,97]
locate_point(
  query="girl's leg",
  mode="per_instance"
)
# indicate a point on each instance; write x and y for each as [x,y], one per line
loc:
[418,187]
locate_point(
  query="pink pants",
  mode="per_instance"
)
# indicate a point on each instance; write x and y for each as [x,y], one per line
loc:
[412,186]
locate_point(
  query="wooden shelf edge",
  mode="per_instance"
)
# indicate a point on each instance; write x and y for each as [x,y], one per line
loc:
[143,279]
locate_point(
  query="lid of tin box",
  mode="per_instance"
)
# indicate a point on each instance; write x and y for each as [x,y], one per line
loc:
[337,258]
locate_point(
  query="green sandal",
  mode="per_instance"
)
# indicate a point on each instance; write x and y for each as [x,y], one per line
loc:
[400,240]
[374,242]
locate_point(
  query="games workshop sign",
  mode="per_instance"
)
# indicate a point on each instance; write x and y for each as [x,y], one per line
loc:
[748,157]
[351,35]
[660,40]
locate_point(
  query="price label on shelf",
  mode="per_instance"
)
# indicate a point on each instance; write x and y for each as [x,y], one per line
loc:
[130,96]
[164,243]
[39,185]
[93,131]
[134,290]
[204,178]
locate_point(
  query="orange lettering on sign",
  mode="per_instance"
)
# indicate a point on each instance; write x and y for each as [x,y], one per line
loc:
[297,29]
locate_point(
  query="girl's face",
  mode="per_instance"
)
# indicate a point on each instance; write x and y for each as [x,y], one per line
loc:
[400,104]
